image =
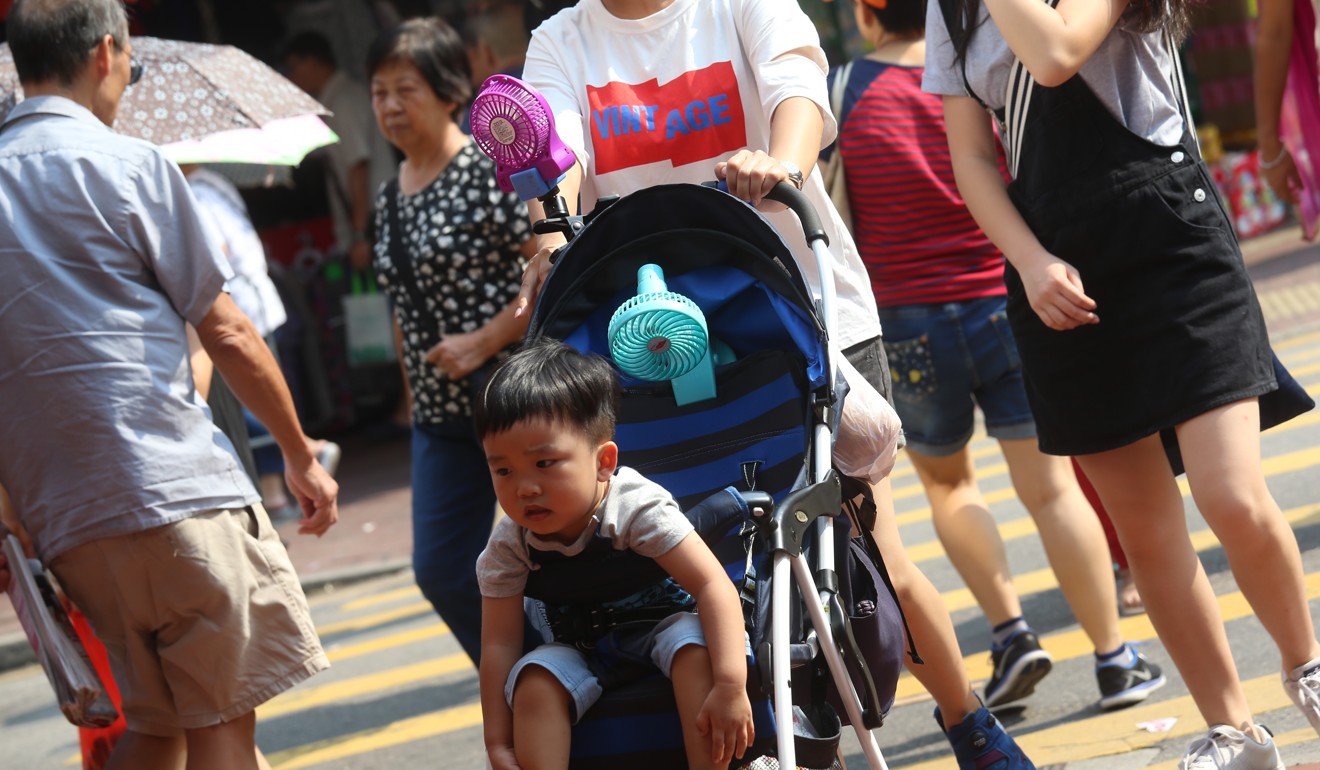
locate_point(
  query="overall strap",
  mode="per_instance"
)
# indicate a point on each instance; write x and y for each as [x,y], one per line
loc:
[1180,89]
[1017,104]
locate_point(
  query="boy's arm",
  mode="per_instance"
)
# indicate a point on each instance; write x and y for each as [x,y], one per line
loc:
[727,714]
[501,647]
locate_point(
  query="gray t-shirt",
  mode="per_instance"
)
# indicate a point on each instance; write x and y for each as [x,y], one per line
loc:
[1131,73]
[636,514]
[104,257]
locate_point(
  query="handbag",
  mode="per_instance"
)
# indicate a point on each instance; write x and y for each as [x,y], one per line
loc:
[368,324]
[836,183]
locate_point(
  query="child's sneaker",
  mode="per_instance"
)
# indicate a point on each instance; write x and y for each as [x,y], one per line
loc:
[980,743]
[1127,679]
[1303,686]
[1228,749]
[1018,666]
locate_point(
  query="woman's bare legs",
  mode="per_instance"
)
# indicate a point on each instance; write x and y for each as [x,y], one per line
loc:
[1072,536]
[1221,450]
[1137,487]
[968,531]
[943,674]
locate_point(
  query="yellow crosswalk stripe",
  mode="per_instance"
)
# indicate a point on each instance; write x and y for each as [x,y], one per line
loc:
[307,697]
[1298,341]
[397,733]
[384,597]
[368,622]
[389,642]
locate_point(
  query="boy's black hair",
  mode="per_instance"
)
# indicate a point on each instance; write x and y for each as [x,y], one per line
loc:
[548,380]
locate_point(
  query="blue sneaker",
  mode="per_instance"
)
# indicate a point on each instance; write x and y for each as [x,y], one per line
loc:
[980,743]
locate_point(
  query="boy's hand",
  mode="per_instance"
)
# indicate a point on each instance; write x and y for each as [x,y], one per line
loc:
[726,720]
[501,758]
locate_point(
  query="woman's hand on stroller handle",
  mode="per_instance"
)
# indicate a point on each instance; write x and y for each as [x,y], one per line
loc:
[751,175]
[538,267]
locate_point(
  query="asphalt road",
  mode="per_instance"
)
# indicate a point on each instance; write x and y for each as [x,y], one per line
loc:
[401,694]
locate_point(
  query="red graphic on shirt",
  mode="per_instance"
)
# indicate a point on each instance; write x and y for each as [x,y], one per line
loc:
[696,116]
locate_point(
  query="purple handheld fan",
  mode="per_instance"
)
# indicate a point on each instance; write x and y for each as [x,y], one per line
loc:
[512,124]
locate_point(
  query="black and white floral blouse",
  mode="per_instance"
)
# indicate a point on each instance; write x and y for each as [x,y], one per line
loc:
[463,235]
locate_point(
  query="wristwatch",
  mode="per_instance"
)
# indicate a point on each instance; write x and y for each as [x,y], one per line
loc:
[794,173]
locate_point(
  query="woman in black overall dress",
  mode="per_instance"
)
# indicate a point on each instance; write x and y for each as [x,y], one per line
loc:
[1134,317]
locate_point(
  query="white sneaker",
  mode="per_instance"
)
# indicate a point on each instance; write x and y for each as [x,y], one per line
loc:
[1303,686]
[1228,749]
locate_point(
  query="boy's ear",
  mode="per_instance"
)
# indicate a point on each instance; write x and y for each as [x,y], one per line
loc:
[607,459]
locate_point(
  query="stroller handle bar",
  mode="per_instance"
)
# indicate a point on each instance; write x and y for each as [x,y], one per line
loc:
[795,199]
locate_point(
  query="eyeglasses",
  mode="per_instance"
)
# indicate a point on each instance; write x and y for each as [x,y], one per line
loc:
[135,68]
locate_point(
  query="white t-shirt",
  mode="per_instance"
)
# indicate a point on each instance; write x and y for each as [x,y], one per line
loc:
[636,514]
[662,99]
[1130,73]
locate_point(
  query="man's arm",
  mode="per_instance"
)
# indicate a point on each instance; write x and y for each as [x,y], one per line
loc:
[241,356]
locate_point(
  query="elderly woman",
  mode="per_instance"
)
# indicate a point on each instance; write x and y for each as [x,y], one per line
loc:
[450,253]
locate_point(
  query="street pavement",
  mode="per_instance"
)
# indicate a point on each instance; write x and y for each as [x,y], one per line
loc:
[401,693]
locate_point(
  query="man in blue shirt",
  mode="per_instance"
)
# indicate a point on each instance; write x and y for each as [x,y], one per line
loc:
[131,496]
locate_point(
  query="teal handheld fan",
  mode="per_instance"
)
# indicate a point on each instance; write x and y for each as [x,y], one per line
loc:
[661,335]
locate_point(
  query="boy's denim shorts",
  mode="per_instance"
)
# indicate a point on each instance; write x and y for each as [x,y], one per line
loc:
[948,358]
[582,677]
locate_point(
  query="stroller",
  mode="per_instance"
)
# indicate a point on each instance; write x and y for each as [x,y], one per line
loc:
[751,466]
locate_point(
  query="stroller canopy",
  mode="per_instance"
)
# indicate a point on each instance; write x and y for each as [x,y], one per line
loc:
[714,249]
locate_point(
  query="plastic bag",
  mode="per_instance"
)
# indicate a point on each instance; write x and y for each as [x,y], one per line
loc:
[867,441]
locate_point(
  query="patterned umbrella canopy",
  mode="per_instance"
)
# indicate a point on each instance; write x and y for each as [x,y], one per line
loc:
[189,91]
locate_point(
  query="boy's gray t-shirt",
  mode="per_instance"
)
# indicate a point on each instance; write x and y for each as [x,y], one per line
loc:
[636,514]
[1131,73]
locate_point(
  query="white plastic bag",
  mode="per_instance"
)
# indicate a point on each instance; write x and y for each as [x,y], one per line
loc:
[869,429]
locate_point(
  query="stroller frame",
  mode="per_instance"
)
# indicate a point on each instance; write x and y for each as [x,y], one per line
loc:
[806,511]
[786,547]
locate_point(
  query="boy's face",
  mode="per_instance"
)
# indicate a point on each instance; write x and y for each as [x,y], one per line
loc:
[549,477]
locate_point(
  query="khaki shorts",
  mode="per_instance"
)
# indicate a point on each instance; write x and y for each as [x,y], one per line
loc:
[203,618]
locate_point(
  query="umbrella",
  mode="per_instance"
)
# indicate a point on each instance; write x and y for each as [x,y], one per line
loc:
[207,103]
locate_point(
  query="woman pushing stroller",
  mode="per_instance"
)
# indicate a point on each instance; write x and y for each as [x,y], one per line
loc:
[657,91]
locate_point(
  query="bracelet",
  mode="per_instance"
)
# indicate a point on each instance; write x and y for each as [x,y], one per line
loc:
[1266,165]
